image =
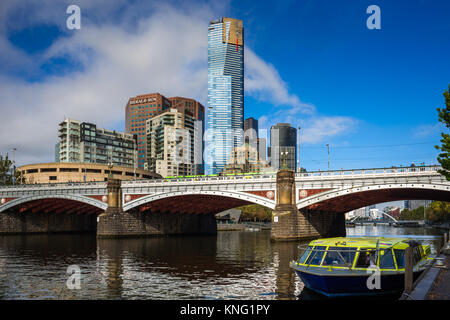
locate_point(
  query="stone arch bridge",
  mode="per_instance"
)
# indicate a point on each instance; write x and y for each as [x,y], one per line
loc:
[306,205]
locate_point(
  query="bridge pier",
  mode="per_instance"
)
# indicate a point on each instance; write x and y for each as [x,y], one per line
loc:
[288,223]
[116,223]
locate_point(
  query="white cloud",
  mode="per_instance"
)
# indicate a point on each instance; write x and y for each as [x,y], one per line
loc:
[263,81]
[428,130]
[319,128]
[149,48]
[167,53]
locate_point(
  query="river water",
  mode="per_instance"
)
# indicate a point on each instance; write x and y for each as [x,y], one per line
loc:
[231,265]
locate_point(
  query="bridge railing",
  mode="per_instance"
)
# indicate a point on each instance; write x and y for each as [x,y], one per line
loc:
[219,179]
[262,177]
[370,172]
[54,184]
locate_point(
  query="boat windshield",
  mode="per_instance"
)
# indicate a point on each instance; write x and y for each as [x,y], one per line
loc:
[339,256]
[316,256]
[305,255]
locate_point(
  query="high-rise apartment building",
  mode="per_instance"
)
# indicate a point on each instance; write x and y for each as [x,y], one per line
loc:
[84,142]
[137,111]
[283,145]
[171,144]
[146,106]
[225,90]
[196,110]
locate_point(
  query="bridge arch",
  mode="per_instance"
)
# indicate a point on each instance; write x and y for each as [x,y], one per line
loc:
[348,199]
[79,198]
[195,197]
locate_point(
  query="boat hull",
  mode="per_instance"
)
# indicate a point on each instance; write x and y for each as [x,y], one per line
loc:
[352,285]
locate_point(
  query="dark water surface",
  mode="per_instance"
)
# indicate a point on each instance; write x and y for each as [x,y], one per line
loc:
[231,265]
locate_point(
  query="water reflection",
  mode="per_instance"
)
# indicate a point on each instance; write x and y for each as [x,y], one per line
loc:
[231,265]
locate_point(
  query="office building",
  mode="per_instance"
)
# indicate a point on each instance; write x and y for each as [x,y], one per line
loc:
[283,144]
[225,112]
[414,204]
[250,131]
[262,148]
[146,106]
[171,144]
[83,142]
[245,159]
[137,111]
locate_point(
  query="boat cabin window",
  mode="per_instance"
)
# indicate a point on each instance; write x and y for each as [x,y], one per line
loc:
[316,255]
[338,256]
[305,255]
[386,259]
[366,258]
[417,256]
[400,258]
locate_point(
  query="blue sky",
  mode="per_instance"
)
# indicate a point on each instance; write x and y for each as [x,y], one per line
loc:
[371,94]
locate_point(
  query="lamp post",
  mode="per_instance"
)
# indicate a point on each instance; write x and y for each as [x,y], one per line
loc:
[298,150]
[328,146]
[14,166]
[284,154]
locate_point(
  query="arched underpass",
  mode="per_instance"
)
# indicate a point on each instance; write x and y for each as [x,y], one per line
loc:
[351,201]
[49,215]
[192,204]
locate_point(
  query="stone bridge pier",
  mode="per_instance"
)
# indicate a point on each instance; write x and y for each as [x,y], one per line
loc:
[116,223]
[289,223]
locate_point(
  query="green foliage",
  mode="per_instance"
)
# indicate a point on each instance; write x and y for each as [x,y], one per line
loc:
[444,156]
[415,214]
[437,211]
[6,169]
[253,211]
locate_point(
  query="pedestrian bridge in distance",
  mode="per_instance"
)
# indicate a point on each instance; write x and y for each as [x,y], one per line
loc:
[320,192]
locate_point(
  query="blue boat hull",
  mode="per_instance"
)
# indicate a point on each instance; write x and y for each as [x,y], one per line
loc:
[335,286]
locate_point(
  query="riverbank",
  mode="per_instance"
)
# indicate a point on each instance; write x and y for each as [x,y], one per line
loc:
[250,226]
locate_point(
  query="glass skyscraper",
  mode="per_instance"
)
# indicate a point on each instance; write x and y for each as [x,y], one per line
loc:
[225,114]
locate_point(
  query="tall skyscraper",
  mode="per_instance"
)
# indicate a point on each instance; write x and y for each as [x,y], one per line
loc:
[283,138]
[225,90]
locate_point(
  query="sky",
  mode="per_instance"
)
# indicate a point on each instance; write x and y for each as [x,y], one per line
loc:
[370,94]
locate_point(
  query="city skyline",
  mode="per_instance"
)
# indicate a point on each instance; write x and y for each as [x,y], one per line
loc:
[62,72]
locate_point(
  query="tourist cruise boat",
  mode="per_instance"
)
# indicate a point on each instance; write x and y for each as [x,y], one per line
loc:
[342,266]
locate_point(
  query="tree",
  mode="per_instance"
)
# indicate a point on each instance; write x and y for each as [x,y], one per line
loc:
[250,212]
[414,214]
[438,211]
[6,172]
[444,156]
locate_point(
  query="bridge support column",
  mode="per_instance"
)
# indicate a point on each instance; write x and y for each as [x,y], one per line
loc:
[113,222]
[288,223]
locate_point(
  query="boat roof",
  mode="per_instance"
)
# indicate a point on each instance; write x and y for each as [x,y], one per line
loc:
[366,242]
